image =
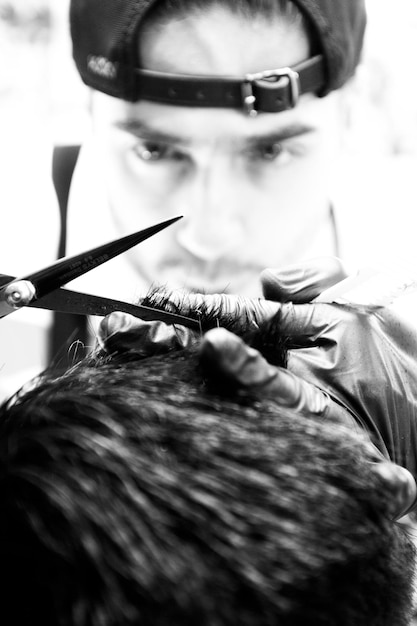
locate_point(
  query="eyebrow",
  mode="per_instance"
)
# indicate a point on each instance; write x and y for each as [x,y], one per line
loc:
[276,135]
[144,131]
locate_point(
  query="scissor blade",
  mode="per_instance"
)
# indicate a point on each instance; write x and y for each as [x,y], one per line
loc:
[5,279]
[64,270]
[67,301]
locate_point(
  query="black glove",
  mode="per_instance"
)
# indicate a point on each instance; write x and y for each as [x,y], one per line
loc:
[348,362]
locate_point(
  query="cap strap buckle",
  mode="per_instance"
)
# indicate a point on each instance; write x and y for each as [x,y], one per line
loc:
[270,76]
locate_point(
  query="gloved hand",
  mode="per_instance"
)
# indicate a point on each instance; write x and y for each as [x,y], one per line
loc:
[120,332]
[361,361]
[365,358]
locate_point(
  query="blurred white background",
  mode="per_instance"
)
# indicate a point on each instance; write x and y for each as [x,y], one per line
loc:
[43,103]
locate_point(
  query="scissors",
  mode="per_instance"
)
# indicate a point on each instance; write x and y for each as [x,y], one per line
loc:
[43,289]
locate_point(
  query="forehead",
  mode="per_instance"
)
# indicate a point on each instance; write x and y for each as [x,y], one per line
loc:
[202,125]
[216,41]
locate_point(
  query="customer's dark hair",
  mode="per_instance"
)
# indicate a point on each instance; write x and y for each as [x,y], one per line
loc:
[133,494]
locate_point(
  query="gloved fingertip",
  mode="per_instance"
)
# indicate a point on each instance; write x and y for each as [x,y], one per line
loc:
[273,286]
[225,354]
[220,348]
[303,281]
[401,484]
[115,322]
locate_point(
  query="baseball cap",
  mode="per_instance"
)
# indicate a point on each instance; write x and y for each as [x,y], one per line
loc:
[105,49]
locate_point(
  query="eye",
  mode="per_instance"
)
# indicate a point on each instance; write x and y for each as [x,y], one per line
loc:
[268,151]
[150,151]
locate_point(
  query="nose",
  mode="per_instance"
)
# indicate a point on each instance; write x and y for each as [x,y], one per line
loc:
[213,223]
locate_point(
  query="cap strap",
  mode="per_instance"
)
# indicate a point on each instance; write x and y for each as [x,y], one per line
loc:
[270,91]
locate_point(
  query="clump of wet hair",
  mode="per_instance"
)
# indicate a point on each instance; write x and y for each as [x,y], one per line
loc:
[213,312]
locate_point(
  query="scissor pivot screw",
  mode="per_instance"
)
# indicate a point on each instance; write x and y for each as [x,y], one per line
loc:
[19,294]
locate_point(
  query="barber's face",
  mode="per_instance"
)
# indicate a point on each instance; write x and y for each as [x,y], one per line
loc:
[253,191]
